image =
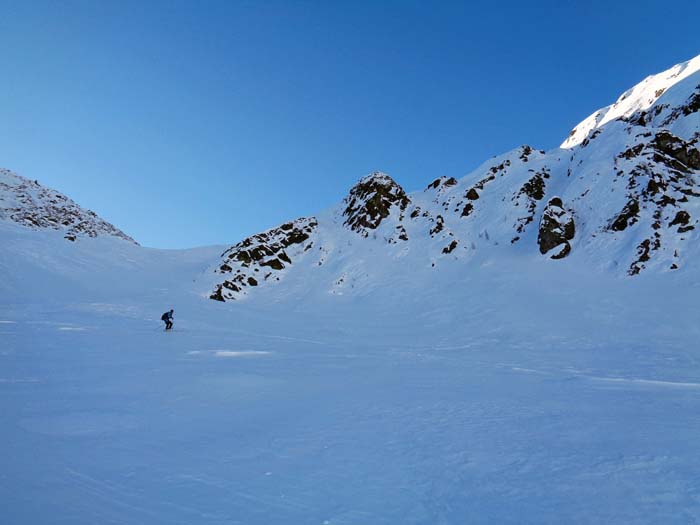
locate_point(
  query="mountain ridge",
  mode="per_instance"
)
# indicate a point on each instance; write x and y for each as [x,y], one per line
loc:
[32,205]
[622,191]
[620,195]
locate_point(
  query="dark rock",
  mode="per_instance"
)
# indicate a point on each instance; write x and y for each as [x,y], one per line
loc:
[565,250]
[442,181]
[642,256]
[434,184]
[589,138]
[693,104]
[655,186]
[267,249]
[402,233]
[472,195]
[231,286]
[439,225]
[666,200]
[274,263]
[534,188]
[557,228]
[217,295]
[682,218]
[371,201]
[627,216]
[677,149]
[632,152]
[450,248]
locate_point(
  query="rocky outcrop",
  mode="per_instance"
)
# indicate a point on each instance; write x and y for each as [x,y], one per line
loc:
[661,172]
[627,216]
[691,105]
[682,220]
[30,204]
[529,196]
[442,183]
[450,247]
[372,200]
[262,257]
[472,194]
[463,202]
[678,153]
[557,228]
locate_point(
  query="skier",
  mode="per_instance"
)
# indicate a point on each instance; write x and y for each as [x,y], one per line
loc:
[167,317]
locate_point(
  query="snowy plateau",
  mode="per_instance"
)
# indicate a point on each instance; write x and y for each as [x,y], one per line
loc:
[516,346]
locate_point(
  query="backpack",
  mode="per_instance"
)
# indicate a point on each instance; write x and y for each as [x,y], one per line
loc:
[165,316]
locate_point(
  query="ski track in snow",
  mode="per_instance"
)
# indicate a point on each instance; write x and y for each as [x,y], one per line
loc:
[646,382]
[622,380]
[243,353]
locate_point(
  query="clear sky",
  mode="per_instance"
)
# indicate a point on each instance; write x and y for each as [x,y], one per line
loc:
[201,122]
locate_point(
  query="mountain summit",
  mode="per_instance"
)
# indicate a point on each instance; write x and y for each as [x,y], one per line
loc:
[372,200]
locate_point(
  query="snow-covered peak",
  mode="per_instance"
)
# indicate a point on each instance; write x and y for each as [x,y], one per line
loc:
[377,177]
[371,200]
[30,204]
[639,98]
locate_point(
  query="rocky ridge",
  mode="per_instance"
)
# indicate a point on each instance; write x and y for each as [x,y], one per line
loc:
[262,257]
[32,205]
[622,191]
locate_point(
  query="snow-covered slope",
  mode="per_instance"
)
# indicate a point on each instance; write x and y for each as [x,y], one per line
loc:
[620,195]
[517,392]
[406,358]
[30,204]
[638,99]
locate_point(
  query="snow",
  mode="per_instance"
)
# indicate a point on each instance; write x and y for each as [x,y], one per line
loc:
[640,97]
[513,393]
[372,379]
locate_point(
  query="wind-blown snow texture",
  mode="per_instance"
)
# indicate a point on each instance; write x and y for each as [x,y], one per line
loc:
[406,360]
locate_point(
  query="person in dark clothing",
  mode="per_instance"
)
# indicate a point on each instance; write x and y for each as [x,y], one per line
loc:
[167,317]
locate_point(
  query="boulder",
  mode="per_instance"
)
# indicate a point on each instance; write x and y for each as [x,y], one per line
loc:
[557,228]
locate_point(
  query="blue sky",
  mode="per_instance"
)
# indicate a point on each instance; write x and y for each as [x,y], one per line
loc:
[192,123]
